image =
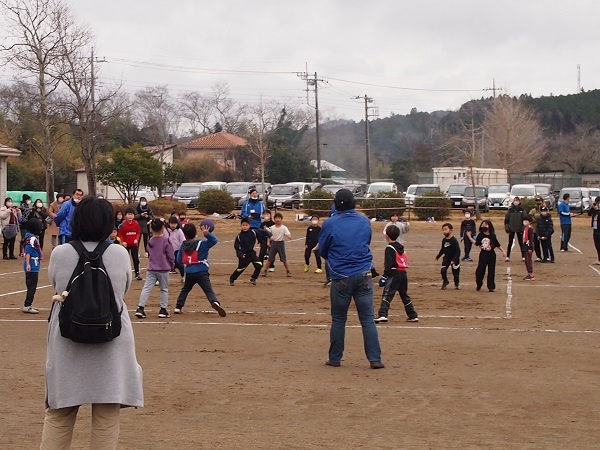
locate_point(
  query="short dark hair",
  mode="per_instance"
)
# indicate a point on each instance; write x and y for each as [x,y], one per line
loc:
[189,231]
[314,215]
[59,196]
[93,220]
[7,199]
[449,225]
[528,218]
[278,215]
[566,195]
[77,190]
[393,214]
[156,224]
[174,219]
[183,213]
[244,220]
[129,211]
[392,232]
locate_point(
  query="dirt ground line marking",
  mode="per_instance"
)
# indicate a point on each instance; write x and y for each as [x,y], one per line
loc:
[575,248]
[594,269]
[508,307]
[23,290]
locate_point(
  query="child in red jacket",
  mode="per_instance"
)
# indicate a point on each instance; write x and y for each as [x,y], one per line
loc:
[129,233]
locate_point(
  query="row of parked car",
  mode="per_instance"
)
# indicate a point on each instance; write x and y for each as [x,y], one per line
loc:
[501,195]
[287,195]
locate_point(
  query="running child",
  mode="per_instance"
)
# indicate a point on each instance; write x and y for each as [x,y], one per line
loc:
[488,242]
[394,278]
[129,233]
[528,246]
[160,262]
[311,241]
[194,254]
[32,263]
[266,223]
[451,251]
[244,249]
[467,225]
[403,227]
[279,232]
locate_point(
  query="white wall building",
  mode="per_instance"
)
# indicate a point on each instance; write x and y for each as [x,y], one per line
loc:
[445,176]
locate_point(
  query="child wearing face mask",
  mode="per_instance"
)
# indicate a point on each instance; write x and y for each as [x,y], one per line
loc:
[488,242]
[545,230]
[450,250]
[467,225]
[513,225]
[266,223]
[528,245]
[312,239]
[143,216]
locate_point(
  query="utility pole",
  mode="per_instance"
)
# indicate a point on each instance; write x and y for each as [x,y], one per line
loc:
[368,100]
[493,88]
[314,82]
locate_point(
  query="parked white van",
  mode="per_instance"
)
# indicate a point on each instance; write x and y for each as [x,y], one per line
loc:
[218,185]
[522,191]
[416,190]
[381,186]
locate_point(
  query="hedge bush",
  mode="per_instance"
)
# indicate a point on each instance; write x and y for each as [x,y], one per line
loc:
[163,207]
[215,201]
[318,202]
[384,205]
[432,204]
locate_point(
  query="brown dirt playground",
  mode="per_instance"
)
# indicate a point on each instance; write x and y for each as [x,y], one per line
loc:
[518,368]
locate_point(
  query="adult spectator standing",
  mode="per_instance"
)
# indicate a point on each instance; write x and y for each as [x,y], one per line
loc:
[344,243]
[106,375]
[594,213]
[513,225]
[53,210]
[40,212]
[253,209]
[143,216]
[10,216]
[564,216]
[65,215]
[26,211]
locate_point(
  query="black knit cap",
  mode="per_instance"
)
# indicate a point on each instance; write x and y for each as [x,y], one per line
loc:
[34,226]
[344,200]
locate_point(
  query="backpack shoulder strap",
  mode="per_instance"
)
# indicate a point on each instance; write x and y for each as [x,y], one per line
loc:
[101,247]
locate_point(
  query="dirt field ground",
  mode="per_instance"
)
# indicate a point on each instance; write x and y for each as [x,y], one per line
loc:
[517,368]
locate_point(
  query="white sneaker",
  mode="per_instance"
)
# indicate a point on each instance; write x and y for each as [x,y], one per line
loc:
[507,259]
[271,269]
[381,319]
[597,262]
[29,310]
[177,311]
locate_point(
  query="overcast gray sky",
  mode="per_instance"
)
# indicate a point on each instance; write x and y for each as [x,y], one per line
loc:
[456,47]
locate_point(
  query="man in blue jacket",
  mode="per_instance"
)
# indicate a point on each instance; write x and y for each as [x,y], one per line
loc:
[65,215]
[253,209]
[344,242]
[564,215]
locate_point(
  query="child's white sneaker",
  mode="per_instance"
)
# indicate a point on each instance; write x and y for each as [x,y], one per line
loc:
[29,310]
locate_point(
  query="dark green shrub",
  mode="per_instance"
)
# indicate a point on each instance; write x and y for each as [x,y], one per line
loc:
[383,206]
[432,204]
[163,207]
[318,202]
[215,201]
[528,204]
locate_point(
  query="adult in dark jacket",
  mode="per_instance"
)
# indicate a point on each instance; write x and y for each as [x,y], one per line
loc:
[594,213]
[344,242]
[545,230]
[513,225]
[143,216]
[40,212]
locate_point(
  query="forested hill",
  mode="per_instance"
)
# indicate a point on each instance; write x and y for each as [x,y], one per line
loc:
[418,136]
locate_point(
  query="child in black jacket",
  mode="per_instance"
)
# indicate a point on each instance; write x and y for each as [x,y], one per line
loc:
[312,240]
[451,252]
[394,278]
[467,225]
[244,248]
[545,230]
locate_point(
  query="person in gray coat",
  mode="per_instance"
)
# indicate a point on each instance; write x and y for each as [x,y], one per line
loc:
[107,375]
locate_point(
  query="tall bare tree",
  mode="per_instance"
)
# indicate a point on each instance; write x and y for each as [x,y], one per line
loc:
[199,110]
[33,47]
[513,138]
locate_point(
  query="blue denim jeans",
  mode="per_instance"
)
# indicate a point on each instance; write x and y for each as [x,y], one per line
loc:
[359,287]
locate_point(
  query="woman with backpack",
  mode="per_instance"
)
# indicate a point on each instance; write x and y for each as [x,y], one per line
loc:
[105,375]
[10,217]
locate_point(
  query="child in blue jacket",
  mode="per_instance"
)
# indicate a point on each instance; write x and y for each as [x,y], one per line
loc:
[32,263]
[194,255]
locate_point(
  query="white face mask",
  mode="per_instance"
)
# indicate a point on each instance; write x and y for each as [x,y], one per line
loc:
[467,216]
[38,205]
[143,203]
[525,224]
[315,222]
[9,204]
[28,202]
[76,200]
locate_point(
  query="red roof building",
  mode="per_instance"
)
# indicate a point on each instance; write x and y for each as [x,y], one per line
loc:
[220,146]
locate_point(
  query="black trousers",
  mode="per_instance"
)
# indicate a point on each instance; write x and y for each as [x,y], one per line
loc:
[202,279]
[397,283]
[179,266]
[565,236]
[468,246]
[446,263]
[8,247]
[135,256]
[487,261]
[264,253]
[511,237]
[597,242]
[243,263]
[536,246]
[31,281]
[307,252]
[548,251]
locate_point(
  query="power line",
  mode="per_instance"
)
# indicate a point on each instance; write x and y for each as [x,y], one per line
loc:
[403,88]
